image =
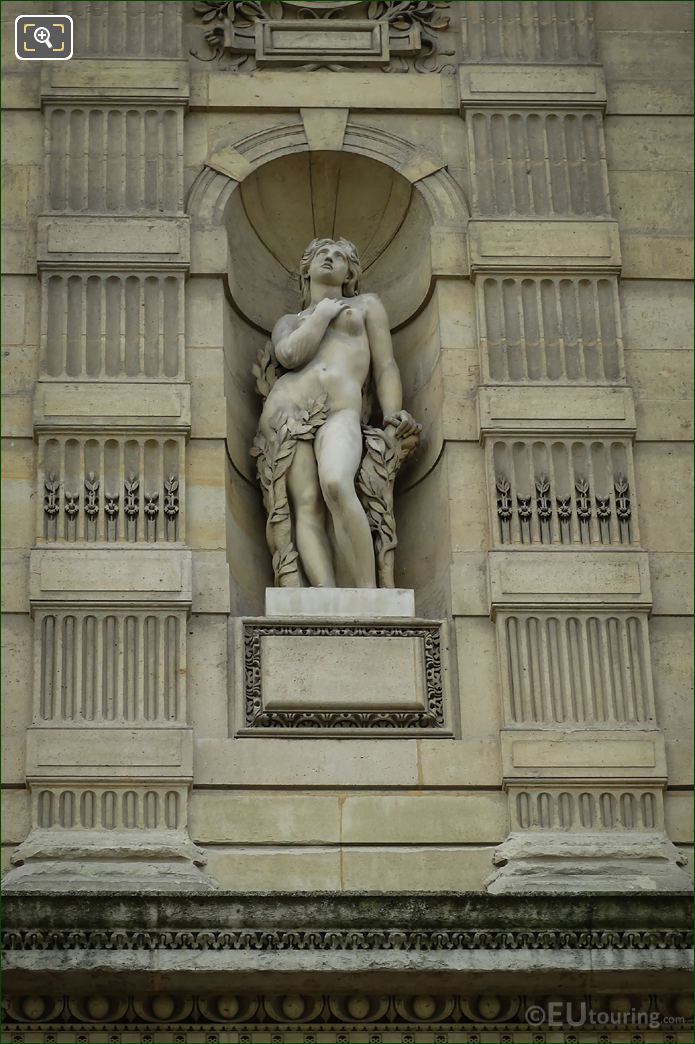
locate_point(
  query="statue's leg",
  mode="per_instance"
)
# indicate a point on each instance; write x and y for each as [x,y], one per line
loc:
[310,517]
[339,453]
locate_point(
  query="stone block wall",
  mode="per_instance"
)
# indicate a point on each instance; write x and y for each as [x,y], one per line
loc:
[543,237]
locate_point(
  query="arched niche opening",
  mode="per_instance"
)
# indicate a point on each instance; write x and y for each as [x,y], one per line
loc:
[269,217]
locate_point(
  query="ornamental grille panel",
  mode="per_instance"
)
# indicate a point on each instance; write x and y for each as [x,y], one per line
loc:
[588,669]
[550,328]
[112,326]
[111,667]
[562,492]
[538,164]
[114,160]
[108,490]
[133,29]
[523,31]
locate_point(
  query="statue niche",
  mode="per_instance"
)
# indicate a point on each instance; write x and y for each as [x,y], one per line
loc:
[326,471]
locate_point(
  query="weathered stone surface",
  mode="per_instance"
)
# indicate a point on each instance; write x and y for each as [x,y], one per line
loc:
[549,710]
[567,864]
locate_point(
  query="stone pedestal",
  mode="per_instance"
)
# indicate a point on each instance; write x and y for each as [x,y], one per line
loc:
[567,864]
[342,659]
[328,603]
[136,860]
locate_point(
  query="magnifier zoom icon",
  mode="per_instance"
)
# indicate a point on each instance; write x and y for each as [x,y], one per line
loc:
[42,36]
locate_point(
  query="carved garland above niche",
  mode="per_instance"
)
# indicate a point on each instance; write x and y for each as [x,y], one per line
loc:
[397,37]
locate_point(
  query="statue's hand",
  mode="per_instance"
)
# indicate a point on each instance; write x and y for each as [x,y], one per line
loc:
[329,307]
[403,423]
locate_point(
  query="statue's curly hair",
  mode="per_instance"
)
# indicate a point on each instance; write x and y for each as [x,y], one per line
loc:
[351,286]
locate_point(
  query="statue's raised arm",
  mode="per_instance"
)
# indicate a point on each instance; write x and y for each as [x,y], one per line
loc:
[330,503]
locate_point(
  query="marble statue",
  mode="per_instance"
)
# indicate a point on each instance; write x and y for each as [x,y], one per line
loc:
[326,473]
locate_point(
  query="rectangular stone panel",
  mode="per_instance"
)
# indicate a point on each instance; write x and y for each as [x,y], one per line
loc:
[306,41]
[80,238]
[537,245]
[119,405]
[538,578]
[75,752]
[564,85]
[113,575]
[333,676]
[100,78]
[575,667]
[610,754]
[526,410]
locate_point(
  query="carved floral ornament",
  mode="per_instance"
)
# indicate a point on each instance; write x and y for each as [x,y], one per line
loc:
[394,36]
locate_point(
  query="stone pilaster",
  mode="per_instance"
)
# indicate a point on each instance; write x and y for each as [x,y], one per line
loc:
[569,587]
[109,751]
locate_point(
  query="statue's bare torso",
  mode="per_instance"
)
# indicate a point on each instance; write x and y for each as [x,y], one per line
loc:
[338,370]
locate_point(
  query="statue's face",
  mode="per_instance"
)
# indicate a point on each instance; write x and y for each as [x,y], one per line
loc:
[329,265]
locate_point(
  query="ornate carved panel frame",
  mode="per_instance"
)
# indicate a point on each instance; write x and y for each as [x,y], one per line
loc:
[257,718]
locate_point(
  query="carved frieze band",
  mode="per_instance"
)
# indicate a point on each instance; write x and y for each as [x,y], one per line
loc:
[128,807]
[355,1016]
[586,808]
[258,717]
[271,940]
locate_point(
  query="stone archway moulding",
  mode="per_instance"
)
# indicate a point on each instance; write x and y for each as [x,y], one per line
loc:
[331,130]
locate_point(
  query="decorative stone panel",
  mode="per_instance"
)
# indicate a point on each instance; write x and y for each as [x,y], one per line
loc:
[110,489]
[114,159]
[110,665]
[528,31]
[562,491]
[323,676]
[578,668]
[550,328]
[537,164]
[112,325]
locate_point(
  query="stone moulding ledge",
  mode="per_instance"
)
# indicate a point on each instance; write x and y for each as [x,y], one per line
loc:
[579,921]
[434,936]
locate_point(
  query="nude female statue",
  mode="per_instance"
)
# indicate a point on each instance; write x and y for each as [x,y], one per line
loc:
[328,350]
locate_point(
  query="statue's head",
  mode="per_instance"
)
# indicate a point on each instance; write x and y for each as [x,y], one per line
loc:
[330,261]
